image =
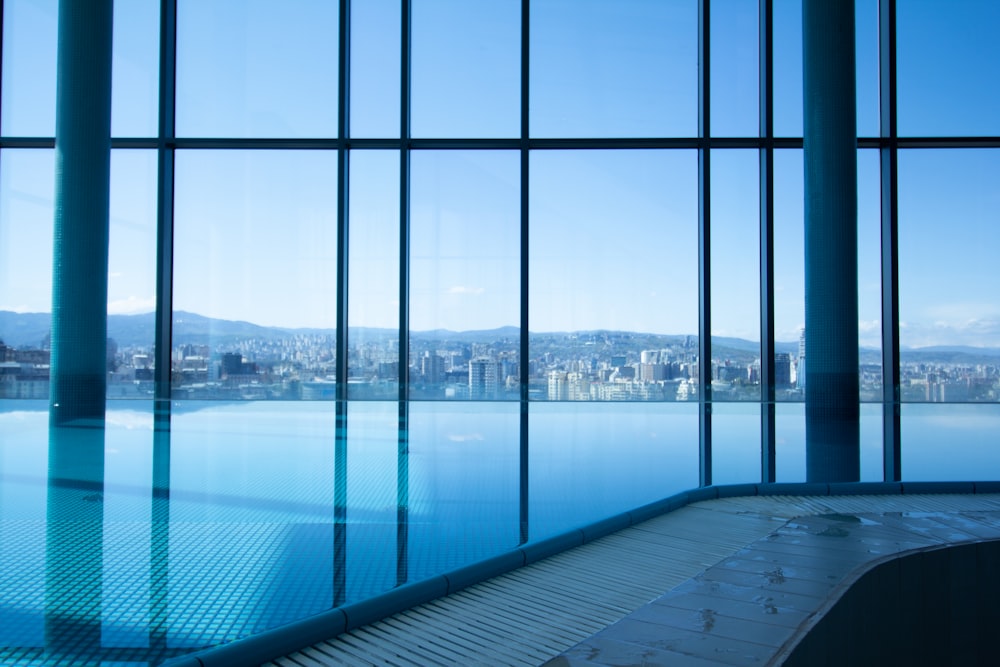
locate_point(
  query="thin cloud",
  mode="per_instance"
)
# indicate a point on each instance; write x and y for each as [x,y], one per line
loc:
[131,306]
[461,289]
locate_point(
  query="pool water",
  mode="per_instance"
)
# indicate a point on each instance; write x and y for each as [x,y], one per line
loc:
[133,544]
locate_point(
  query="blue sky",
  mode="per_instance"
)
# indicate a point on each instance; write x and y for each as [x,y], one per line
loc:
[613,233]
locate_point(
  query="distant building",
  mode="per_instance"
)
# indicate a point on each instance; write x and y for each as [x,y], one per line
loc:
[484,378]
[782,370]
[558,386]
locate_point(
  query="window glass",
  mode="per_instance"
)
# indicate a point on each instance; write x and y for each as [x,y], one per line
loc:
[373,262]
[946,68]
[466,69]
[255,287]
[576,478]
[465,249]
[949,308]
[789,274]
[735,267]
[613,260]
[246,70]
[27,179]
[135,69]
[790,442]
[787,63]
[866,18]
[736,443]
[132,274]
[949,442]
[869,275]
[463,474]
[735,64]
[373,462]
[622,69]
[375,62]
[28,101]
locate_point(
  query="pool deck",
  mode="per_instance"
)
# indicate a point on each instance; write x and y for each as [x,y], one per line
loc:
[667,590]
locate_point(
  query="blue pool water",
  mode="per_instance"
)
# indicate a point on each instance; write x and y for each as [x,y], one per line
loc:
[133,544]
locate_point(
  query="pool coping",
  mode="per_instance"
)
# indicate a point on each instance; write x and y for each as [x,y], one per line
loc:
[282,640]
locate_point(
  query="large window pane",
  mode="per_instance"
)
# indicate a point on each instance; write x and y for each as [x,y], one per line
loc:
[466,68]
[869,275]
[949,289]
[787,64]
[947,59]
[247,70]
[132,274]
[613,260]
[950,442]
[734,59]
[622,69]
[27,179]
[26,213]
[135,69]
[375,81]
[255,255]
[589,462]
[463,484]
[735,264]
[28,98]
[373,261]
[465,249]
[866,20]
[789,275]
[736,443]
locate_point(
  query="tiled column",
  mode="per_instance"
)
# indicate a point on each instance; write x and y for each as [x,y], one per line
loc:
[80,248]
[831,240]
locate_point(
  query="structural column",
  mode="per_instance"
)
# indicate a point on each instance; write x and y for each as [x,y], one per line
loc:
[831,241]
[80,263]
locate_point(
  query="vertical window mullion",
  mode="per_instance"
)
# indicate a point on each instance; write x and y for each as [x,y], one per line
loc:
[524,365]
[704,250]
[165,206]
[888,154]
[766,51]
[404,202]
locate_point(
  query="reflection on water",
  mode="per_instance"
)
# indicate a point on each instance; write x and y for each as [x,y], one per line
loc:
[134,544]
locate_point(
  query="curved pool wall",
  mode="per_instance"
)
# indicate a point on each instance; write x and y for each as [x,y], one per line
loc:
[294,636]
[932,606]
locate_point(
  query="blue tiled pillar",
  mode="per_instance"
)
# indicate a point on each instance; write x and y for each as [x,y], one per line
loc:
[80,247]
[831,240]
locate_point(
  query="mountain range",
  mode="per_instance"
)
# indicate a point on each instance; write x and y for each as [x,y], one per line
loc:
[25,330]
